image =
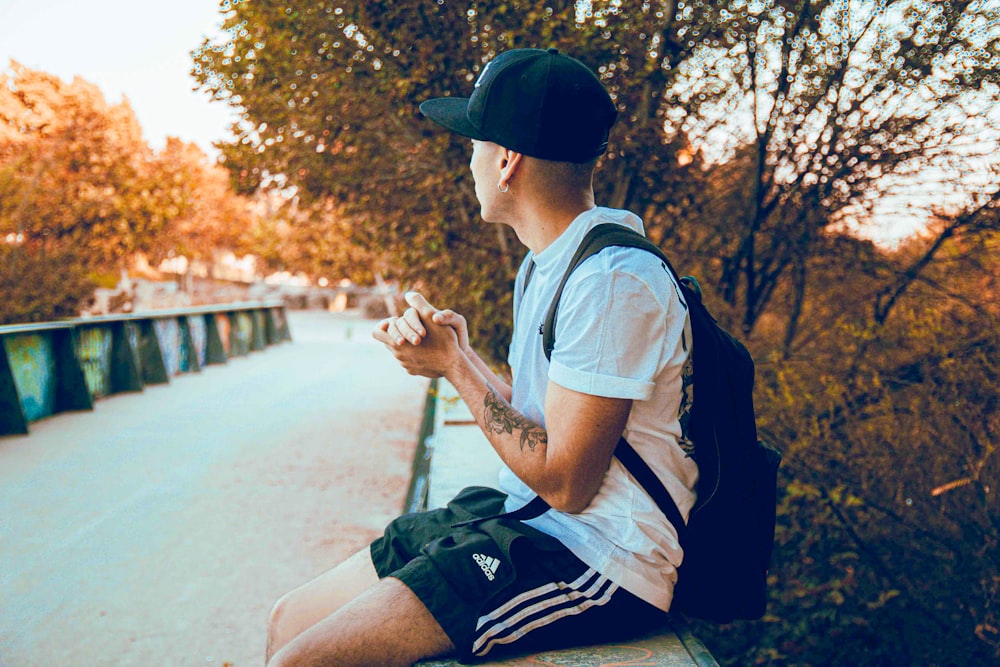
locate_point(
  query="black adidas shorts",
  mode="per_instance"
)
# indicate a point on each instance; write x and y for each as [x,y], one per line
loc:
[499,586]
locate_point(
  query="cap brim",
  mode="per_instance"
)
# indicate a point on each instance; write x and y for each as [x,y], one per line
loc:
[450,113]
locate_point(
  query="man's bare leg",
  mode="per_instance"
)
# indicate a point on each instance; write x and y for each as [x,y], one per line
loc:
[386,625]
[300,609]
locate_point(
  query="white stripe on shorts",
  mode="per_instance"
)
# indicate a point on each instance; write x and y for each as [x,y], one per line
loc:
[534,593]
[515,627]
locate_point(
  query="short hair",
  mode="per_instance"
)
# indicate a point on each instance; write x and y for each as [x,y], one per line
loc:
[562,174]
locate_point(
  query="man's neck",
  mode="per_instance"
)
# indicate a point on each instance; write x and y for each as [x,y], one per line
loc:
[539,227]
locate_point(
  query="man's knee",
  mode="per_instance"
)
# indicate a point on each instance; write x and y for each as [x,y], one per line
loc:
[281,626]
[297,611]
[385,625]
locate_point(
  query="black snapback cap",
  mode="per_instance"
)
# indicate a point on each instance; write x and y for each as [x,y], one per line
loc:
[537,102]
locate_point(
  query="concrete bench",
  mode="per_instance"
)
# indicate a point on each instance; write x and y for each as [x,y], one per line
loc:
[671,648]
[453,453]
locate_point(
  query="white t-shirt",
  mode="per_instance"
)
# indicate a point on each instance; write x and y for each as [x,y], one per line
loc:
[622,332]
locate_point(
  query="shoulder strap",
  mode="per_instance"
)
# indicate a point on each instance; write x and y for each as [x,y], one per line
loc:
[638,468]
[648,480]
[528,272]
[596,240]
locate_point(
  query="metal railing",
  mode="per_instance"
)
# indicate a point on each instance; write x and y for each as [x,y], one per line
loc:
[53,367]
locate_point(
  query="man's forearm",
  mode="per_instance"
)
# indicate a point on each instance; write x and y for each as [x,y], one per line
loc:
[490,376]
[501,418]
[564,461]
[521,443]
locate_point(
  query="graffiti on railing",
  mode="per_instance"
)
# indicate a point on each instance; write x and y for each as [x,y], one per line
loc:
[199,338]
[33,366]
[222,322]
[51,367]
[242,332]
[168,333]
[93,348]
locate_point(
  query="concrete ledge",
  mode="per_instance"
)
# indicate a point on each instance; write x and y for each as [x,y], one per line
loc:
[461,455]
[671,648]
[453,453]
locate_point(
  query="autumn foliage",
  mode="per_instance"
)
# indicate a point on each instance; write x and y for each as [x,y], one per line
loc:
[81,193]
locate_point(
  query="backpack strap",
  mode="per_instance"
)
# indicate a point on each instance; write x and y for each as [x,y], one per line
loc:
[596,240]
[636,467]
[528,272]
[648,480]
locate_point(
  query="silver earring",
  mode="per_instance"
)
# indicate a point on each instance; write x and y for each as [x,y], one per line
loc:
[505,188]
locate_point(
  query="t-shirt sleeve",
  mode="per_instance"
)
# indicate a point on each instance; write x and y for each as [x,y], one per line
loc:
[610,335]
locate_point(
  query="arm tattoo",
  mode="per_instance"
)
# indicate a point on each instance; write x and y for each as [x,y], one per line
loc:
[499,418]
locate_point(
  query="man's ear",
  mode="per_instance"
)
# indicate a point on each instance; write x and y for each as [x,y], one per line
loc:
[510,161]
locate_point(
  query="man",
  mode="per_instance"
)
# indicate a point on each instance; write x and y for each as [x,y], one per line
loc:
[601,563]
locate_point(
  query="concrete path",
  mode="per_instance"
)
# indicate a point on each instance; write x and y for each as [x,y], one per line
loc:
[158,529]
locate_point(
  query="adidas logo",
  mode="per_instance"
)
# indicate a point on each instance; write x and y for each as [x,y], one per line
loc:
[487,564]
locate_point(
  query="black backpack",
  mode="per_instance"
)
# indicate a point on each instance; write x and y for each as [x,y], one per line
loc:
[729,536]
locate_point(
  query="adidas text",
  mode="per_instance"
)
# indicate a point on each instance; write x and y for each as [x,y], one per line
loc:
[487,564]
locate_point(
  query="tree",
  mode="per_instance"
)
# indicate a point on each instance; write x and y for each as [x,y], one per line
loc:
[329,94]
[76,169]
[889,518]
[41,286]
[833,111]
[81,193]
[204,213]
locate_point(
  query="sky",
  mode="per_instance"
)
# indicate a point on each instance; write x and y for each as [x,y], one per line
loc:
[136,48]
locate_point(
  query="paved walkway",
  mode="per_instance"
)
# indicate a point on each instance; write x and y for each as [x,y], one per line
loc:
[158,529]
